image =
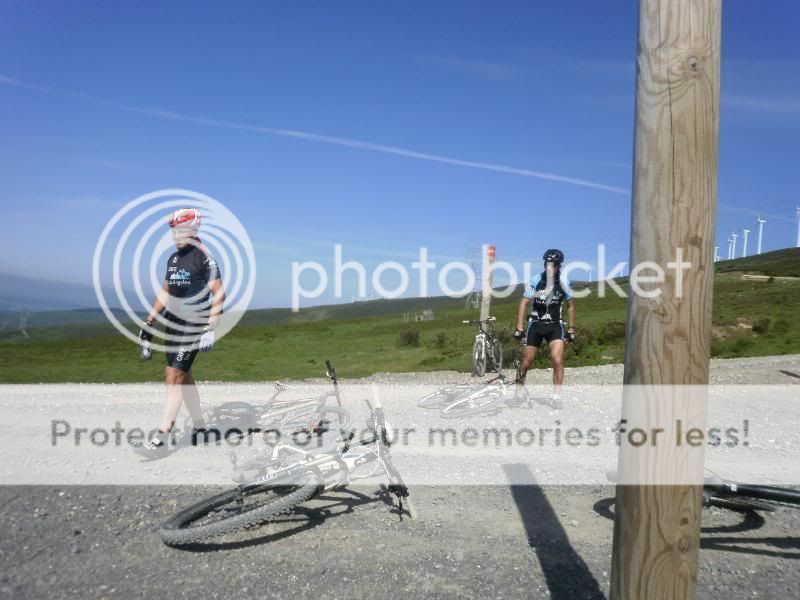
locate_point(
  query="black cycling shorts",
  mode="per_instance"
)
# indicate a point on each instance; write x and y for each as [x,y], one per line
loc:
[538,331]
[181,348]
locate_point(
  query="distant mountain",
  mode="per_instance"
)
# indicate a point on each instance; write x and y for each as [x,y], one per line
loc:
[20,293]
[11,320]
[63,304]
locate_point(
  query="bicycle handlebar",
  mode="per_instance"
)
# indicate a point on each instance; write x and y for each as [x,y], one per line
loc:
[476,322]
[330,371]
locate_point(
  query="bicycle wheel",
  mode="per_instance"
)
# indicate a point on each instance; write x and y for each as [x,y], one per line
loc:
[478,358]
[333,417]
[759,497]
[496,355]
[738,504]
[232,411]
[444,396]
[474,404]
[224,513]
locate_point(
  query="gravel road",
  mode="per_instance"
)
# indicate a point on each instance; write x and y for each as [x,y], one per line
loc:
[503,541]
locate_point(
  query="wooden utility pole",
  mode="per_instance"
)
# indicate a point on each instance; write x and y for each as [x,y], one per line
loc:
[657,529]
[487,274]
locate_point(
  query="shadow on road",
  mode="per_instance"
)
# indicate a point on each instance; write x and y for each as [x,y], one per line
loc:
[565,572]
[302,518]
[787,546]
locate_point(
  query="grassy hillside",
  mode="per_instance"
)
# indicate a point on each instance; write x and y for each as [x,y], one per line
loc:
[779,263]
[751,318]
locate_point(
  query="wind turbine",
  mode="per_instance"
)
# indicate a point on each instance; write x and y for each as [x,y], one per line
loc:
[730,248]
[746,232]
[798,226]
[591,268]
[716,253]
[733,237]
[760,222]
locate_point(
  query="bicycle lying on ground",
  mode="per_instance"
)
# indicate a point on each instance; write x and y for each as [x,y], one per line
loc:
[279,414]
[280,478]
[742,497]
[486,398]
[487,351]
[468,400]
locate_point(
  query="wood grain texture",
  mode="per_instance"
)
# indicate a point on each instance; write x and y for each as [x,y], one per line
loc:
[656,533]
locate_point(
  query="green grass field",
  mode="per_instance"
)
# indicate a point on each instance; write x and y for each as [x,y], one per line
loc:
[751,318]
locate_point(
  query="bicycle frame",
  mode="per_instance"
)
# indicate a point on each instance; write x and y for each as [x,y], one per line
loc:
[335,468]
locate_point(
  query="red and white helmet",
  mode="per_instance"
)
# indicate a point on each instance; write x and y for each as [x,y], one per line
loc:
[185,219]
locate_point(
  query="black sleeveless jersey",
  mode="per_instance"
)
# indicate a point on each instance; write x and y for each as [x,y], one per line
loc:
[546,303]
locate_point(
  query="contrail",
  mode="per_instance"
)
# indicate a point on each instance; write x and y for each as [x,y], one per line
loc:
[313,137]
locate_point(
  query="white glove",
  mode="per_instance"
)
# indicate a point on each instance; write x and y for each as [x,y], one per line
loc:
[207,340]
[146,340]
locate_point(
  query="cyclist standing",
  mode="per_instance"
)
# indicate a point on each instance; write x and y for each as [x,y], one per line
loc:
[545,295]
[191,298]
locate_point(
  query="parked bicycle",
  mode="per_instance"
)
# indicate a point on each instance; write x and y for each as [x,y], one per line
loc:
[487,351]
[278,479]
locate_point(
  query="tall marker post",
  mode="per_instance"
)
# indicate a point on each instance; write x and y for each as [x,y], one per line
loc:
[668,338]
[489,255]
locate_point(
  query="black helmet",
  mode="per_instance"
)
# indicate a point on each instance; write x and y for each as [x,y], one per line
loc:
[554,256]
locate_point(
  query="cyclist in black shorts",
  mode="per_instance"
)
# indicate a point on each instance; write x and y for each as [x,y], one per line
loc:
[545,295]
[191,297]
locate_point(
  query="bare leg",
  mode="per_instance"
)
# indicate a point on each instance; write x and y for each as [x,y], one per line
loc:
[528,358]
[191,398]
[557,358]
[175,380]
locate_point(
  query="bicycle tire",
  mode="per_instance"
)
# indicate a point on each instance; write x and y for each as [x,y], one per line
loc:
[762,497]
[178,529]
[738,504]
[496,353]
[444,396]
[234,410]
[230,415]
[302,421]
[478,358]
[460,408]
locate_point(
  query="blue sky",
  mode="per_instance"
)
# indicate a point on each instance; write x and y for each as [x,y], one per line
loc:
[542,87]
